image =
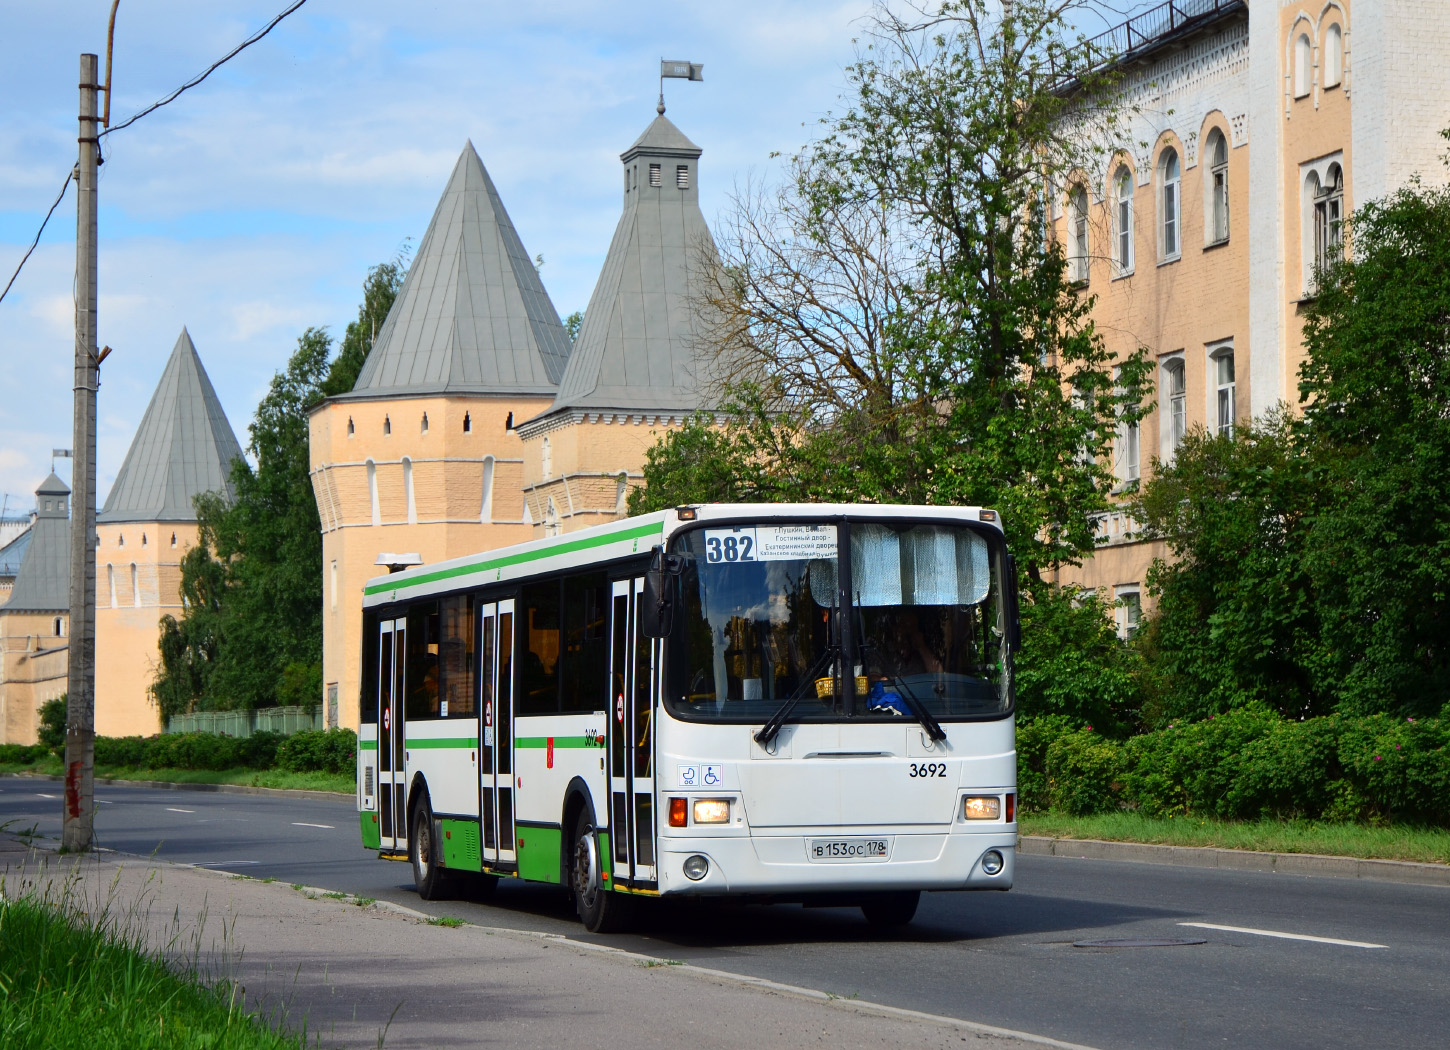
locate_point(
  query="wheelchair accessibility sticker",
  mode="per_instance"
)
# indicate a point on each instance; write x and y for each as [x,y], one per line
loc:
[700,776]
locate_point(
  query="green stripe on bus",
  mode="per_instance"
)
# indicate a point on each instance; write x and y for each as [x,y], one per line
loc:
[560,742]
[367,745]
[637,532]
[449,741]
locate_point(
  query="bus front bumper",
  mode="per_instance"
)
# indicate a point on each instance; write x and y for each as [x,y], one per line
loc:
[782,864]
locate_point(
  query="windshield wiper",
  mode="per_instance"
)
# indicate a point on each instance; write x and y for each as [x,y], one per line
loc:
[931,725]
[770,729]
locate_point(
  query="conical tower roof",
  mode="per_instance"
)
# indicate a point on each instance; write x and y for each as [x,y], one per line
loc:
[637,349]
[43,583]
[472,315]
[183,447]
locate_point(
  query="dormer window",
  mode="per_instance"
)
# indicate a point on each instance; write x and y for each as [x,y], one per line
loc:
[682,176]
[654,174]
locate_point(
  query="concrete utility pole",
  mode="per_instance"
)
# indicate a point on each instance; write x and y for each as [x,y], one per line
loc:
[80,720]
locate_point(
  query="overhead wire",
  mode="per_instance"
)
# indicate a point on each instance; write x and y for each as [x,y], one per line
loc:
[193,82]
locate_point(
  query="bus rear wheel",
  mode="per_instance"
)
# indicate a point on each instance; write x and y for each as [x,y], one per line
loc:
[428,875]
[600,909]
[891,909]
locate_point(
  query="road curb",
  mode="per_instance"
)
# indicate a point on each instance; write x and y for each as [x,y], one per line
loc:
[226,789]
[1239,860]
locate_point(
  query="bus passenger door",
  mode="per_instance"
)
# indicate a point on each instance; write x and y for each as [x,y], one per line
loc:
[496,786]
[631,739]
[392,778]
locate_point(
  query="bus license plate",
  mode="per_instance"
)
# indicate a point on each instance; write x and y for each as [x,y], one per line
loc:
[848,850]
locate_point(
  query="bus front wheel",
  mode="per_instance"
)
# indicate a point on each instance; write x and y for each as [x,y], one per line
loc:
[891,909]
[600,909]
[428,875]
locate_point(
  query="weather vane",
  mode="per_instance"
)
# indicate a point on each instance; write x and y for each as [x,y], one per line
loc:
[679,71]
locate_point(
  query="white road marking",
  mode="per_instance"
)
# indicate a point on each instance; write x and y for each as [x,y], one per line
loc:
[1285,936]
[173,809]
[302,824]
[223,863]
[42,794]
[104,802]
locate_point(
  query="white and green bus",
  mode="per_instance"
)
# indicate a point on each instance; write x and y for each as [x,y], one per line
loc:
[795,702]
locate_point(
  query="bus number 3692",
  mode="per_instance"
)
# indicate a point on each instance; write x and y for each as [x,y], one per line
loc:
[928,769]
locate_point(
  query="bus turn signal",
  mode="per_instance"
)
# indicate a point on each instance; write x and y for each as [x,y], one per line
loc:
[678,813]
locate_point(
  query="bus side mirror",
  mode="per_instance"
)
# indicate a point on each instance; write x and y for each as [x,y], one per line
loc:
[657,604]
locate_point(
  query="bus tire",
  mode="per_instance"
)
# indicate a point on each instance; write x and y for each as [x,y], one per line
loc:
[428,875]
[600,909]
[896,908]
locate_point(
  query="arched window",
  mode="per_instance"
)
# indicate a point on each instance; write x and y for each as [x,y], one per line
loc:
[467,423]
[1175,396]
[350,427]
[1077,218]
[373,492]
[425,422]
[121,540]
[1127,444]
[1123,219]
[546,458]
[1329,219]
[1303,65]
[111,582]
[135,586]
[387,425]
[1221,364]
[1168,204]
[173,539]
[485,511]
[1217,155]
[408,490]
[143,539]
[1332,57]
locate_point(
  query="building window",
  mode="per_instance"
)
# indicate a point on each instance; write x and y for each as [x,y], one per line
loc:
[111,583]
[173,539]
[546,458]
[408,490]
[682,176]
[551,517]
[1175,395]
[1329,219]
[1333,56]
[654,174]
[621,493]
[425,423]
[1127,444]
[1123,219]
[350,427]
[59,627]
[387,425]
[135,586]
[1129,611]
[1303,62]
[485,511]
[467,423]
[144,541]
[121,540]
[1168,205]
[1222,363]
[1217,187]
[1077,217]
[373,492]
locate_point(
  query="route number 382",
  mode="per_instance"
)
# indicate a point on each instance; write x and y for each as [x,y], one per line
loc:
[928,769]
[730,548]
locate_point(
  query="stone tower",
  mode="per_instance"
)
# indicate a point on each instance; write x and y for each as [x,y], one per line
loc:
[183,447]
[636,368]
[34,622]
[422,458]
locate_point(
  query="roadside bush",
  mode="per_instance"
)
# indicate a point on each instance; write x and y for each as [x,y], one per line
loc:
[1084,773]
[1034,737]
[327,751]
[22,754]
[52,724]
[211,751]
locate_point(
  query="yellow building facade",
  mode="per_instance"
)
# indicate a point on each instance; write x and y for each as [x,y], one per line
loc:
[34,621]
[1252,131]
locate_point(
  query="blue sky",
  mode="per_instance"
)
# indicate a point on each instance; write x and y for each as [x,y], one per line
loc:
[252,206]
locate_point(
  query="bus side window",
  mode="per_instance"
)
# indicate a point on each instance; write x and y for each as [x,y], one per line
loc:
[585,677]
[538,676]
[457,658]
[423,666]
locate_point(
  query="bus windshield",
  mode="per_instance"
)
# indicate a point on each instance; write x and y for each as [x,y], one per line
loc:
[759,624]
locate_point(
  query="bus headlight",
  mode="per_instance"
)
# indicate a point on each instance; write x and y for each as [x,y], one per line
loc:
[991,862]
[981,807]
[712,811]
[697,867]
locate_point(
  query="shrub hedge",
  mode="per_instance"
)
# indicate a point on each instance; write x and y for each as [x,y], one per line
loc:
[329,751]
[1246,764]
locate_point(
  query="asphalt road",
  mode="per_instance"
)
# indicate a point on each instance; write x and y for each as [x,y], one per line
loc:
[1005,959]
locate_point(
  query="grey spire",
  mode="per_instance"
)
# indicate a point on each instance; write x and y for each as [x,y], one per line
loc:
[43,584]
[637,349]
[183,447]
[472,315]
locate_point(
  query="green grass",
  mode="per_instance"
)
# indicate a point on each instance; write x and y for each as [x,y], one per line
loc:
[73,981]
[343,783]
[1394,842]
[448,921]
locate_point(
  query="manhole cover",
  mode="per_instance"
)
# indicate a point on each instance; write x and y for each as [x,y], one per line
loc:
[1139,942]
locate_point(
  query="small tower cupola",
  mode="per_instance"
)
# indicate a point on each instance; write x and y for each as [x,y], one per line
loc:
[52,498]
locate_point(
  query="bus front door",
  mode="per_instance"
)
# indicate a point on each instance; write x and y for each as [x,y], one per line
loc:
[392,778]
[496,776]
[631,741]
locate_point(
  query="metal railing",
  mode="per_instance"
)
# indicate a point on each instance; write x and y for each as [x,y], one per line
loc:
[286,720]
[1140,31]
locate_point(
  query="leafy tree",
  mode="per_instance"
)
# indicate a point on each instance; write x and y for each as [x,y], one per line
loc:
[573,323]
[380,290]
